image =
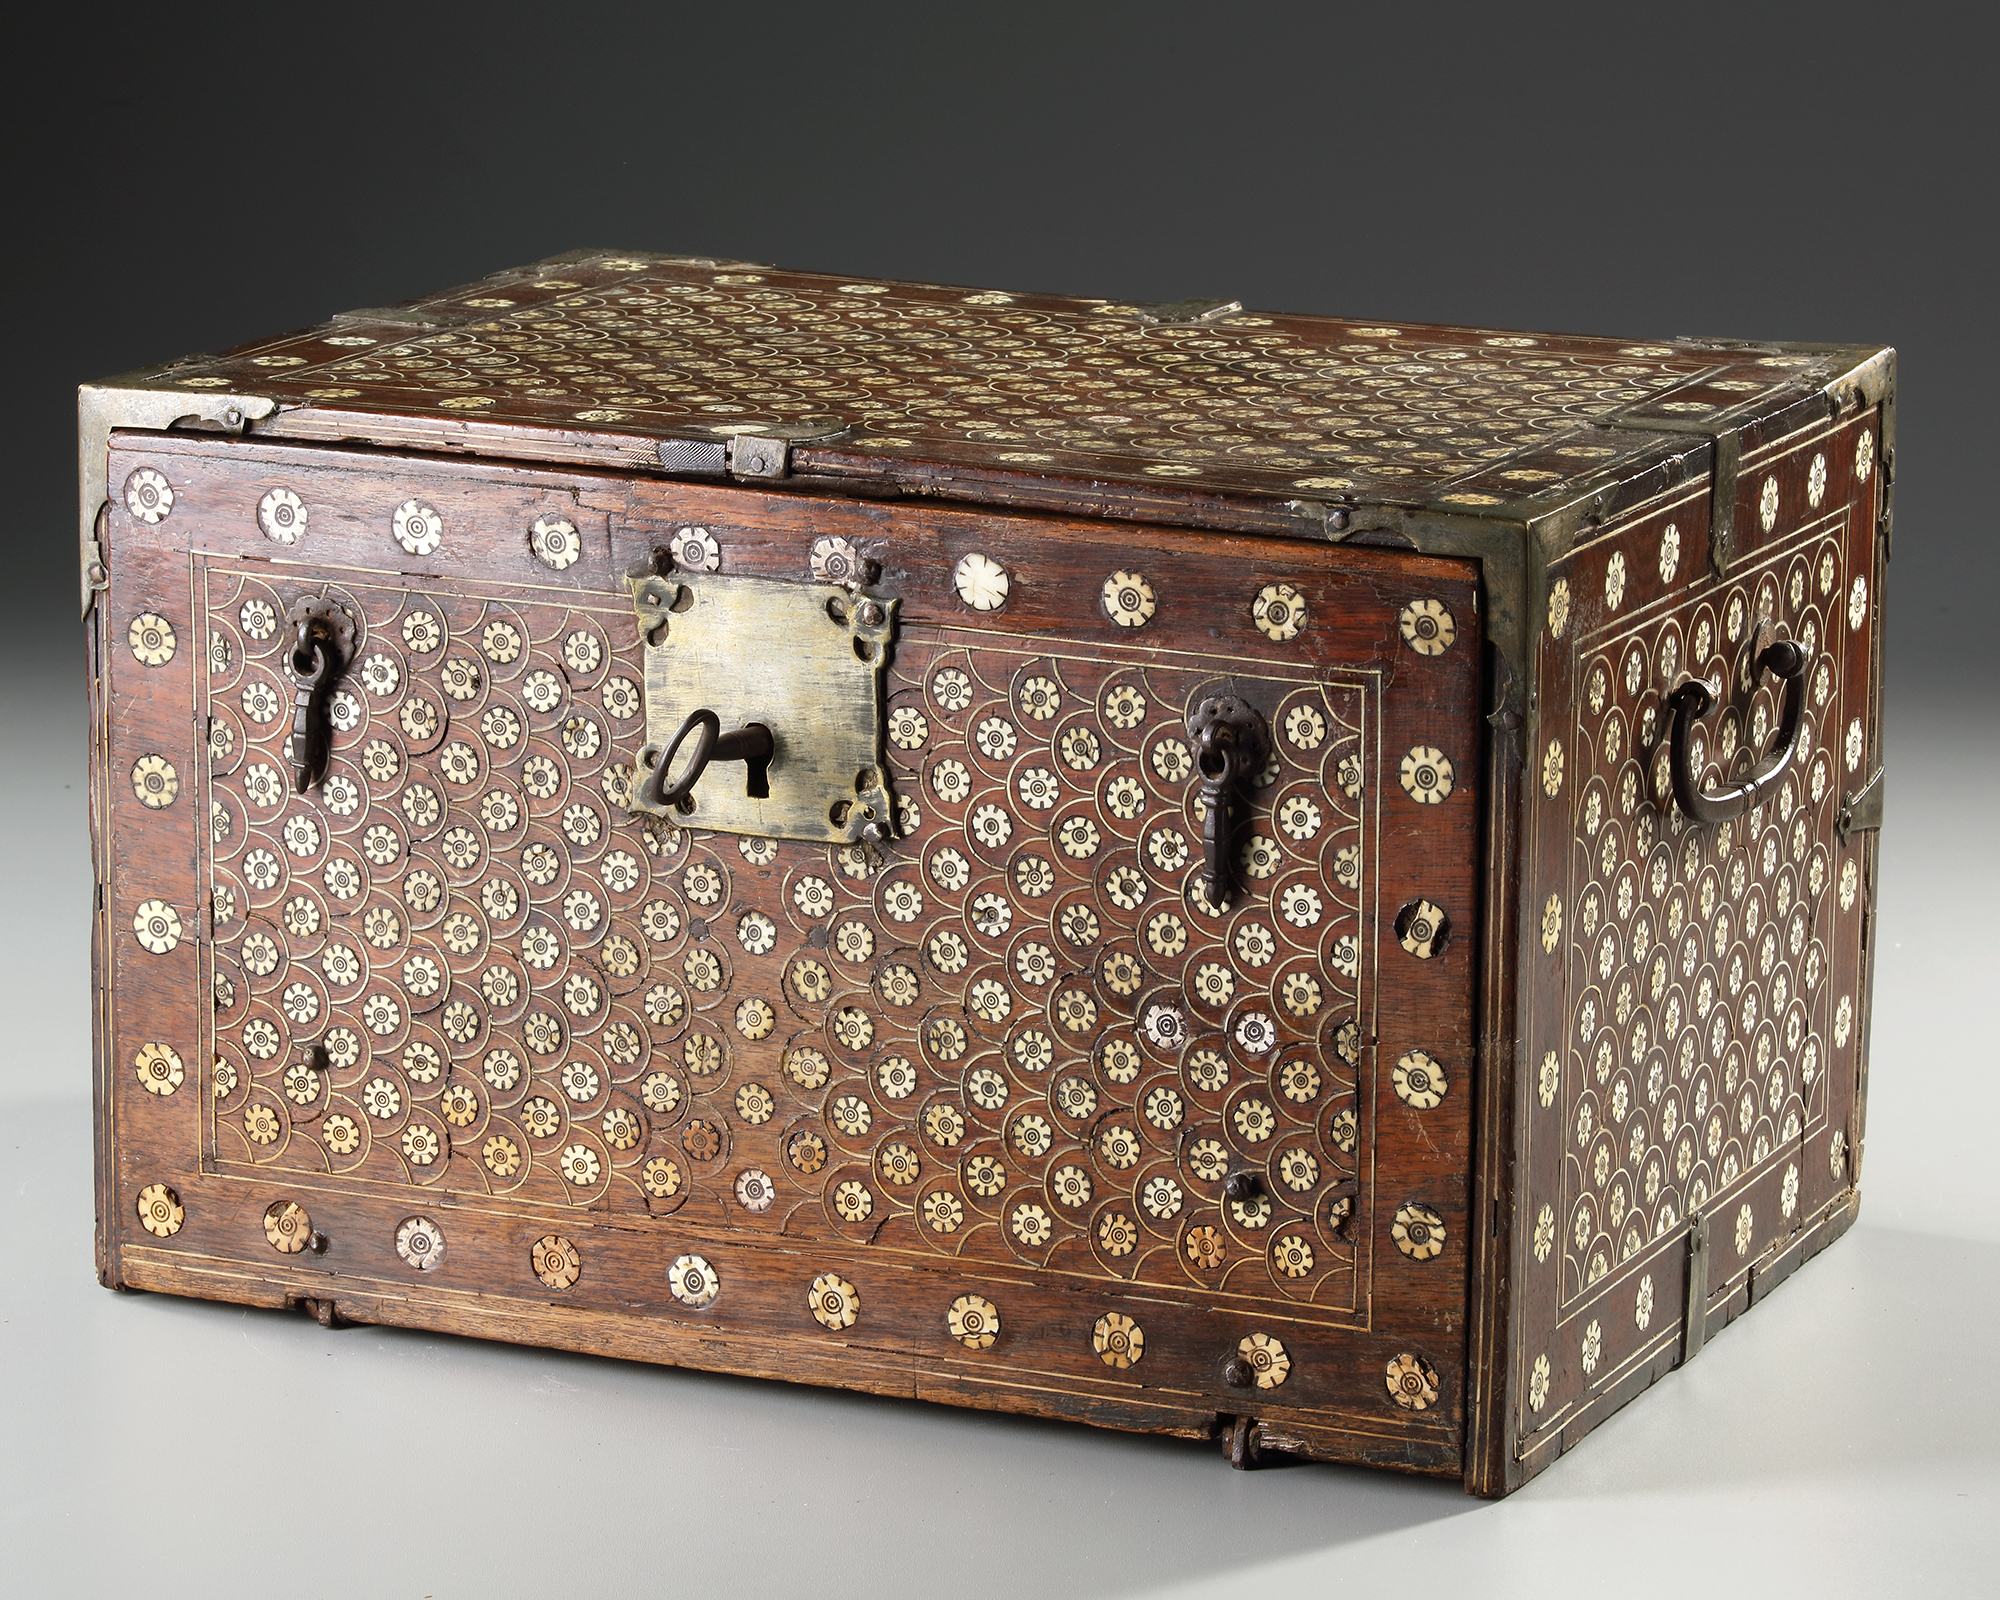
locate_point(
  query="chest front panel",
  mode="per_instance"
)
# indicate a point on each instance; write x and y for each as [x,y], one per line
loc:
[1006,1099]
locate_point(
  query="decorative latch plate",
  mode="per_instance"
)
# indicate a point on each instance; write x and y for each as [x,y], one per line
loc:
[804,661]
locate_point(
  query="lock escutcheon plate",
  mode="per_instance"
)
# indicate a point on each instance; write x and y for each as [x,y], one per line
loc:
[806,661]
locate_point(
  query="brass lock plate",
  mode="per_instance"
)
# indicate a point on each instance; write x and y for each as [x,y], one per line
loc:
[804,660]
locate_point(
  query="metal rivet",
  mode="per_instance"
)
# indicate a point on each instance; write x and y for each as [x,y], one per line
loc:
[317,1243]
[1238,1373]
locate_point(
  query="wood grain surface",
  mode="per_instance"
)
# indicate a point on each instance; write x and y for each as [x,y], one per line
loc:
[1400,1153]
[1693,998]
[393,920]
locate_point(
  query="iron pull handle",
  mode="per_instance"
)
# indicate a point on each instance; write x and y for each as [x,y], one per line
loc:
[1230,745]
[316,666]
[1784,660]
[751,743]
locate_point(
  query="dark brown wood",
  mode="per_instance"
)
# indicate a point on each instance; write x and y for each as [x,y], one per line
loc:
[611,348]
[1392,1162]
[1252,421]
[1728,1084]
[1358,1305]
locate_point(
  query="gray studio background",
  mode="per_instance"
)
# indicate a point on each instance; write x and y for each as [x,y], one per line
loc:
[183,179]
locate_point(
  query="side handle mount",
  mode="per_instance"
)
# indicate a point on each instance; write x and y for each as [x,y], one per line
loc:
[1784,660]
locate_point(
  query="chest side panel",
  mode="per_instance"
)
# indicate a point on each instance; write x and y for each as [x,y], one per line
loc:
[968,1112]
[1695,991]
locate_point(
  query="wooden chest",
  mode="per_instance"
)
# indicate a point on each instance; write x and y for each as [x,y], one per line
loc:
[1244,876]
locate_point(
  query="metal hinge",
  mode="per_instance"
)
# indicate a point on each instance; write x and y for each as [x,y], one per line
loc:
[418,319]
[1727,445]
[1726,441]
[96,575]
[596,257]
[1695,1328]
[1185,313]
[753,450]
[1861,811]
[1862,386]
[1332,521]
[1885,522]
[1722,504]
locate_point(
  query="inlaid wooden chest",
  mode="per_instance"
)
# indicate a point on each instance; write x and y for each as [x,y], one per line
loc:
[1231,875]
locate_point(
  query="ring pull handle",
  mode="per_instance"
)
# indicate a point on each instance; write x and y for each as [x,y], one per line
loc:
[1230,745]
[1784,660]
[752,744]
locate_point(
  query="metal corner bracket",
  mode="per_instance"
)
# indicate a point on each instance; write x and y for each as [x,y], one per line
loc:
[103,408]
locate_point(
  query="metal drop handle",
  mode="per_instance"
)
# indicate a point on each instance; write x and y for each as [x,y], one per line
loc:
[752,743]
[316,665]
[1784,660]
[1231,744]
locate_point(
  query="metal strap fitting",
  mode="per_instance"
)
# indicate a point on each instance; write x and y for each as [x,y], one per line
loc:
[1695,1328]
[1861,811]
[747,450]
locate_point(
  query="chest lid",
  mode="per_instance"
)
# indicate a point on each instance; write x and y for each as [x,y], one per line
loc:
[660,362]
